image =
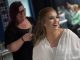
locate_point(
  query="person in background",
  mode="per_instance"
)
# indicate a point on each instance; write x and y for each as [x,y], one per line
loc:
[53,42]
[72,14]
[18,36]
[69,14]
[76,18]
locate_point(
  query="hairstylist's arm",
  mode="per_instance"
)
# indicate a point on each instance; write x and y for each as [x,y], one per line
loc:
[14,46]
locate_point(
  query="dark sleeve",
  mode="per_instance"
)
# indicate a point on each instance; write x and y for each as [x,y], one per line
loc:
[9,36]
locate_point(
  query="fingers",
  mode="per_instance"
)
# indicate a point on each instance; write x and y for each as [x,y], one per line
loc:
[27,37]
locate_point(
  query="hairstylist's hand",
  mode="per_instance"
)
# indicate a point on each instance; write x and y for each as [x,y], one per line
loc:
[27,37]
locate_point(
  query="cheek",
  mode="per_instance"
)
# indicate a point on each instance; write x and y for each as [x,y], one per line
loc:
[48,23]
[23,13]
[51,21]
[18,17]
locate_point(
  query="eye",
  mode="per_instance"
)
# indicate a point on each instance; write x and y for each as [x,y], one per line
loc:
[52,17]
[57,16]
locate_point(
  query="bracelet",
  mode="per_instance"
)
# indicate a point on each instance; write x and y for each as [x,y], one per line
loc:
[22,39]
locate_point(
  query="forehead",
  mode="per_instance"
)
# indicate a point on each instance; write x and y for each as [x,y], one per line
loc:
[21,8]
[51,13]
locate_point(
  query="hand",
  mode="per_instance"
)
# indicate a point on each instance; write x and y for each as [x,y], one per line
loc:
[27,37]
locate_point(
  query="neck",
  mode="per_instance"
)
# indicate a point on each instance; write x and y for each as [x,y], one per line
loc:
[53,31]
[53,36]
[25,24]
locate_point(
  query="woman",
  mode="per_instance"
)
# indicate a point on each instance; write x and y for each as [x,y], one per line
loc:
[53,42]
[18,37]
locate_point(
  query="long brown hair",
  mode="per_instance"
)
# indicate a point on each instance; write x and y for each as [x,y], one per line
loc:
[39,30]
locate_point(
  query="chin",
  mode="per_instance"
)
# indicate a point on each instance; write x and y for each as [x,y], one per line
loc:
[55,28]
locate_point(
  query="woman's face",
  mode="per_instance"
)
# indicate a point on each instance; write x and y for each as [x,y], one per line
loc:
[21,14]
[51,20]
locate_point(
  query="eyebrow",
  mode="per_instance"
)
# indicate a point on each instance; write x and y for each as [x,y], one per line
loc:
[54,16]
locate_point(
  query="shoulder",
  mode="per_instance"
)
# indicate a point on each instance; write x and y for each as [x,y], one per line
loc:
[68,30]
[38,46]
[70,33]
[37,50]
[31,20]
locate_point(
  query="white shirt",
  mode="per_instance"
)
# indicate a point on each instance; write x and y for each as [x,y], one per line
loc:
[68,48]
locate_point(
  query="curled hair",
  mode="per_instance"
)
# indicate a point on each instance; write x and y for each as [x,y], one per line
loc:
[39,30]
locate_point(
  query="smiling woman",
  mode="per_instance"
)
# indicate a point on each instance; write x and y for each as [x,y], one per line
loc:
[53,42]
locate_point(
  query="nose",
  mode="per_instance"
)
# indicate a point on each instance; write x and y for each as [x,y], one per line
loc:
[56,19]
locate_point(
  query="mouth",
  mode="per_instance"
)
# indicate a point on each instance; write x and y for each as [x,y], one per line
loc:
[55,25]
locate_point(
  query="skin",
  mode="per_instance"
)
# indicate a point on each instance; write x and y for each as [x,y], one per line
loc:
[21,15]
[52,20]
[53,29]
